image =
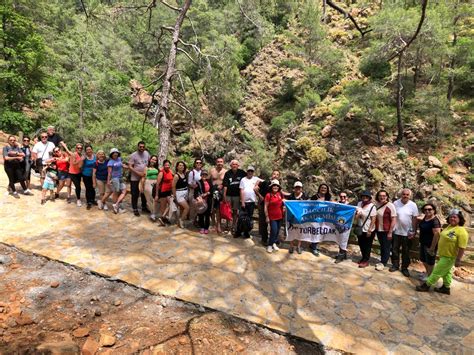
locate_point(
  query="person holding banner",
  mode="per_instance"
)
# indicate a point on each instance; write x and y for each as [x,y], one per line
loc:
[342,255]
[323,194]
[365,216]
[297,195]
[274,211]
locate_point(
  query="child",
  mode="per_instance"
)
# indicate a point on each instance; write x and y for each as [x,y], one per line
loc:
[51,176]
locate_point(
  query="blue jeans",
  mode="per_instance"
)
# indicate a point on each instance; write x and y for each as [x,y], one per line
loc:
[274,231]
[385,246]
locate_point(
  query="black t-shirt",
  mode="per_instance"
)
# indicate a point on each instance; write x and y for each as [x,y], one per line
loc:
[55,138]
[302,197]
[264,187]
[232,181]
[426,230]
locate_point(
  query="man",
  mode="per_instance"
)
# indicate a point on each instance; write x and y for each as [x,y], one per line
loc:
[41,153]
[248,197]
[217,179]
[137,163]
[404,231]
[53,137]
[231,184]
[194,176]
[262,189]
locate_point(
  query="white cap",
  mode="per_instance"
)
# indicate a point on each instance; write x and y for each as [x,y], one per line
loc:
[275,182]
[298,184]
[250,167]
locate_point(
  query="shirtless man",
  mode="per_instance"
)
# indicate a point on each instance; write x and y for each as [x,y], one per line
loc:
[217,178]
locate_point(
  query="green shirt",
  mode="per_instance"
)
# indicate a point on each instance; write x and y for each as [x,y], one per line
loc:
[451,240]
[151,174]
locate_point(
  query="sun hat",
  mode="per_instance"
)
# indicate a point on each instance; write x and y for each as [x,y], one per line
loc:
[204,172]
[250,168]
[366,193]
[298,184]
[275,182]
[114,150]
[453,212]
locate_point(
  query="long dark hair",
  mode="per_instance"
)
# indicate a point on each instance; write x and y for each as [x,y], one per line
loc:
[155,164]
[327,195]
[184,164]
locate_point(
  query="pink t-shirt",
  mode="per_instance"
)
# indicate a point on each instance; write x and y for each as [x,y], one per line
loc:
[74,168]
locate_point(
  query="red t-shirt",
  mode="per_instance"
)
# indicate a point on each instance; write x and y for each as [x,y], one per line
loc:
[167,181]
[275,206]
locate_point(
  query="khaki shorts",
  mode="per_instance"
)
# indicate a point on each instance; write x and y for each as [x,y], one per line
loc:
[234,202]
[103,187]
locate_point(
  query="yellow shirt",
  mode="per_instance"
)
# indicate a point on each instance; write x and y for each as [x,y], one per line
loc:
[451,240]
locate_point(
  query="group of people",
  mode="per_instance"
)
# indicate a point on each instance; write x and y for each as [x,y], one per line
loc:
[198,196]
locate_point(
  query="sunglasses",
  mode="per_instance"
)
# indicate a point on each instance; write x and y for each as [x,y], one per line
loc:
[43,137]
[428,209]
[78,147]
[199,162]
[343,196]
[26,140]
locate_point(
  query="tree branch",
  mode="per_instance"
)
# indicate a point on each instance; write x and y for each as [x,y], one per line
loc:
[170,6]
[84,9]
[186,54]
[248,18]
[348,15]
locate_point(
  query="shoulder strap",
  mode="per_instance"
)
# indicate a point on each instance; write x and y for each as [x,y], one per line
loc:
[381,206]
[368,215]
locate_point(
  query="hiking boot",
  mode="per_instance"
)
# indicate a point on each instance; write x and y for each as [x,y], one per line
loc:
[443,289]
[423,287]
[340,258]
[269,249]
[89,206]
[393,268]
[291,250]
[56,195]
[115,207]
[405,272]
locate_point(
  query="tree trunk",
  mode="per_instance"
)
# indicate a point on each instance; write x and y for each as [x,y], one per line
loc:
[452,64]
[161,118]
[399,99]
[81,106]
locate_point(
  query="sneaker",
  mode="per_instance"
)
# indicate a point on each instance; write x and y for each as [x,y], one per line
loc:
[136,213]
[443,289]
[15,194]
[340,257]
[115,208]
[405,272]
[393,268]
[299,250]
[153,217]
[423,287]
[27,192]
[315,252]
[181,223]
[379,267]
[291,250]
[422,277]
[206,231]
[201,231]
[364,264]
[100,204]
[69,199]
[106,208]
[275,247]
[269,249]
[160,222]
[78,203]
[122,210]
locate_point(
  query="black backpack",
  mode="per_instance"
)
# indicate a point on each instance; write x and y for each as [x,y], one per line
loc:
[244,223]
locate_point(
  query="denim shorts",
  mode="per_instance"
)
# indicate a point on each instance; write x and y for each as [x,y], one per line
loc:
[63,175]
[118,185]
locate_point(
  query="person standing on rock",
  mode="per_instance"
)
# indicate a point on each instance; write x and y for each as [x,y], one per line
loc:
[75,173]
[430,228]
[26,149]
[164,183]
[248,198]
[99,178]
[148,185]
[452,243]
[13,164]
[115,180]
[323,194]
[365,222]
[180,192]
[404,231]
[231,183]
[274,212]
[384,225]
[262,189]
[87,171]
[297,195]
[217,178]
[194,176]
[41,153]
[137,163]
[342,254]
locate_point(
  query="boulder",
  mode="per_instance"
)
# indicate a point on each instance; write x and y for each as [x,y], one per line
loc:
[434,162]
[326,131]
[457,182]
[430,173]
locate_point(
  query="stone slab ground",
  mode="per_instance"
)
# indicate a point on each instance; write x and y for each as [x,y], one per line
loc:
[340,306]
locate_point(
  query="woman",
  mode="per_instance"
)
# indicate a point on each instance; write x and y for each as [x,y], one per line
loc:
[297,195]
[274,211]
[180,192]
[164,183]
[14,166]
[365,219]
[342,254]
[452,243]
[62,164]
[87,170]
[203,191]
[323,194]
[430,227]
[115,181]
[384,223]
[75,167]
[148,185]
[99,178]
[26,148]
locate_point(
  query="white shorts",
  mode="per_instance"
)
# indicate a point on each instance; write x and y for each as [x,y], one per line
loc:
[181,196]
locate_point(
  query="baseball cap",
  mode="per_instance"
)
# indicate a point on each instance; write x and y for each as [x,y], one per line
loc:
[298,184]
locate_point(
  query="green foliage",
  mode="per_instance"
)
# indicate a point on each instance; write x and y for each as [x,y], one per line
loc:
[304,143]
[288,91]
[308,100]
[433,180]
[14,122]
[402,154]
[283,121]
[375,68]
[320,79]
[470,178]
[317,155]
[292,63]
[377,175]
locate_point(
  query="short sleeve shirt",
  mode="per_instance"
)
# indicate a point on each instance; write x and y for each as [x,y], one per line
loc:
[55,139]
[275,206]
[139,161]
[194,177]
[451,239]
[384,217]
[426,230]
[43,151]
[248,186]
[405,214]
[367,212]
[7,149]
[116,168]
[88,166]
[232,181]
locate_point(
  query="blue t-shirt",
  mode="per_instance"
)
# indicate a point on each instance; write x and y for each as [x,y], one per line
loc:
[116,168]
[88,165]
[101,170]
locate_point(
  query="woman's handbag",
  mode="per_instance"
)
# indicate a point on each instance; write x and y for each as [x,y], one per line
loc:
[358,230]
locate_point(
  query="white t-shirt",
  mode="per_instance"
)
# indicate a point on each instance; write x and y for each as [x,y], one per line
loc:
[194,176]
[43,150]
[364,212]
[248,185]
[405,214]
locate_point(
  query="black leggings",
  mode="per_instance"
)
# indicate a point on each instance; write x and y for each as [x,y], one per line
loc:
[365,243]
[15,173]
[76,180]
[90,191]
[204,218]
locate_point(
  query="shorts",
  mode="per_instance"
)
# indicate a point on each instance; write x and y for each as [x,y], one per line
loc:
[49,186]
[181,196]
[425,257]
[118,185]
[234,202]
[103,187]
[63,175]
[163,194]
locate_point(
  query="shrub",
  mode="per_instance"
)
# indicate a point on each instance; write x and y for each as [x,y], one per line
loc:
[12,122]
[292,64]
[309,99]
[283,120]
[317,155]
[304,143]
[402,154]
[320,79]
[432,180]
[288,91]
[375,68]
[377,175]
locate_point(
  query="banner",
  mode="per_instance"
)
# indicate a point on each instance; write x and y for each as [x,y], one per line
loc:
[319,221]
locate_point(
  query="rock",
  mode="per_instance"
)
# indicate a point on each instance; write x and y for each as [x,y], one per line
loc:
[107,340]
[430,173]
[249,242]
[59,348]
[97,313]
[434,162]
[458,182]
[205,342]
[5,259]
[24,319]
[54,284]
[117,303]
[90,347]
[326,131]
[182,341]
[80,332]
